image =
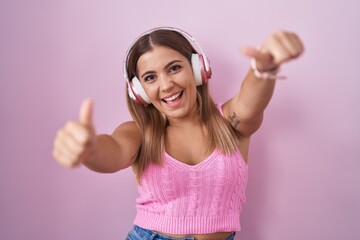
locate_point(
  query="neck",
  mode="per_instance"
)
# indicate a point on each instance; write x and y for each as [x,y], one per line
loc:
[189,121]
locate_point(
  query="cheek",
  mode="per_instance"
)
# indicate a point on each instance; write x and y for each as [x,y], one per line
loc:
[194,93]
[187,79]
[192,85]
[150,90]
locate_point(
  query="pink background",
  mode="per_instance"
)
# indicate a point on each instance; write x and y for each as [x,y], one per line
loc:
[304,162]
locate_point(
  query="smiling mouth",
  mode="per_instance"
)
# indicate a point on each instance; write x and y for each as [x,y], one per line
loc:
[173,98]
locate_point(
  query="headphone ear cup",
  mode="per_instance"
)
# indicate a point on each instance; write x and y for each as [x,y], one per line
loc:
[199,69]
[137,92]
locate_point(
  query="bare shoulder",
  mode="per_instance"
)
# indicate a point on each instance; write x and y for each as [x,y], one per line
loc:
[127,127]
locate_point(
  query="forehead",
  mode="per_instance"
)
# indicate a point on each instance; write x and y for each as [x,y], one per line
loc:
[158,56]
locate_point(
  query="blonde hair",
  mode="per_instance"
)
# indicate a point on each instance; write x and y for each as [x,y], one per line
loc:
[153,124]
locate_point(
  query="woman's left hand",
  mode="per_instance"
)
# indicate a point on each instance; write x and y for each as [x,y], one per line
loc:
[280,47]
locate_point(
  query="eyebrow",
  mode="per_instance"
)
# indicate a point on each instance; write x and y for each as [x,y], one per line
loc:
[166,66]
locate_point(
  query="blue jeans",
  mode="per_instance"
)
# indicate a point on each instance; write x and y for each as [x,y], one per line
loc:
[138,233]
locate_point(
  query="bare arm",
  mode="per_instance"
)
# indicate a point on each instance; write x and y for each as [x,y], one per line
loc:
[245,110]
[76,143]
[116,151]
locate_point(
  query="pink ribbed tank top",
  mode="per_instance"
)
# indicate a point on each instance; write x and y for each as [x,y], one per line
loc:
[177,198]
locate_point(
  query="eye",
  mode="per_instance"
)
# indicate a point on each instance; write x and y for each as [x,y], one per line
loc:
[149,78]
[175,68]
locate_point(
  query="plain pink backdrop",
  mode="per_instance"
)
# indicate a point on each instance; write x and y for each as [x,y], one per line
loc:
[304,161]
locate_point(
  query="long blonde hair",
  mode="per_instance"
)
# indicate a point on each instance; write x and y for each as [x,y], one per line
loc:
[153,124]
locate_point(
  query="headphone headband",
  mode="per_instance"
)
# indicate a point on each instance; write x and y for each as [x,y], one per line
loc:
[185,34]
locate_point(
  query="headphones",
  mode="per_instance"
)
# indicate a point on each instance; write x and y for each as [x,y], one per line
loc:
[199,62]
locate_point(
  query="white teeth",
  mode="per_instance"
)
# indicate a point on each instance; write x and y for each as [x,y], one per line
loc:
[172,98]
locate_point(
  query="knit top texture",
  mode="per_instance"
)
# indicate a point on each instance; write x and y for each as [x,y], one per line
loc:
[178,198]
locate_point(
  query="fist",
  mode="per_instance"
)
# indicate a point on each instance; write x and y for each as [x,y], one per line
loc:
[280,47]
[75,142]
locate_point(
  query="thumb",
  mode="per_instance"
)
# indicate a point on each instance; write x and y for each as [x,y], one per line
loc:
[257,54]
[263,58]
[86,112]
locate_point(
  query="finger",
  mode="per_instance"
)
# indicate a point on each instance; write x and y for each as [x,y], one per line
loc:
[276,48]
[79,132]
[263,58]
[85,114]
[68,158]
[287,42]
[297,44]
[78,141]
[63,152]
[64,157]
[292,43]
[66,140]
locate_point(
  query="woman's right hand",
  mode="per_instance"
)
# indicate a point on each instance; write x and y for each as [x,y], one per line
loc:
[75,142]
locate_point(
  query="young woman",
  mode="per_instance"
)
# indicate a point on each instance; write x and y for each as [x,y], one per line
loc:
[189,154]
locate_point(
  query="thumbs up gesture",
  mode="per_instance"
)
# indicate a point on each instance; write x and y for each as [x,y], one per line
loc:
[280,47]
[75,142]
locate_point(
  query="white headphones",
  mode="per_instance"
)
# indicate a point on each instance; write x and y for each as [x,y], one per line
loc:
[199,62]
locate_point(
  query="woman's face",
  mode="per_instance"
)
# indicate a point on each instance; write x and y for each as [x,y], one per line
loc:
[167,78]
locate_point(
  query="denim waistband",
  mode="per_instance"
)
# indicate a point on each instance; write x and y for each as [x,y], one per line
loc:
[138,233]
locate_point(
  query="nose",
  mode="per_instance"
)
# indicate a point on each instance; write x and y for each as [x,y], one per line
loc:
[166,83]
